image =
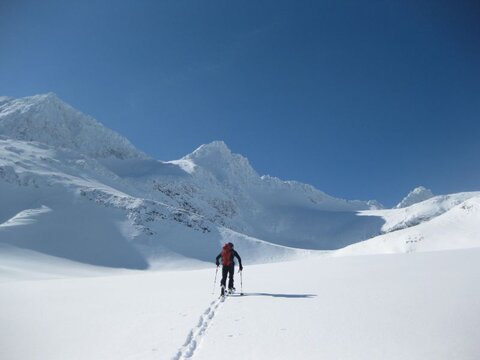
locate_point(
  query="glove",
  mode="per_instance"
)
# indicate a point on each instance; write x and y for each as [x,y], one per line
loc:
[218,264]
[241,267]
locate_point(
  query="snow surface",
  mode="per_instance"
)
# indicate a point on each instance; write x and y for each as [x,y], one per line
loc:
[106,253]
[414,306]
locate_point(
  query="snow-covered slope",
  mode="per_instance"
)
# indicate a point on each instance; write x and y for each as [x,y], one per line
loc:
[447,222]
[402,218]
[225,188]
[72,190]
[62,203]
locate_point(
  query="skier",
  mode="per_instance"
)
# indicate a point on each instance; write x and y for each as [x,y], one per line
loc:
[227,255]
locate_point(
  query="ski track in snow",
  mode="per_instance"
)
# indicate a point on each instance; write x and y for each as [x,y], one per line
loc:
[196,334]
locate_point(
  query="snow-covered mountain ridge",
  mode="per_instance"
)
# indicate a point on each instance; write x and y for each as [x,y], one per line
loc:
[51,121]
[97,193]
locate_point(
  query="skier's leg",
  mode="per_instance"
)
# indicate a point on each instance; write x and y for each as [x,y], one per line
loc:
[223,282]
[231,271]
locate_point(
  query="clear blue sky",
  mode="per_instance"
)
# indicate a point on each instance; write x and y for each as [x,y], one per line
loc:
[362,99]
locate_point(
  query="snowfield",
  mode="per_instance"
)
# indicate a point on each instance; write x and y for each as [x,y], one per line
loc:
[106,253]
[404,306]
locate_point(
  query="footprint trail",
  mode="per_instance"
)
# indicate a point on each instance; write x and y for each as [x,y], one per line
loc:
[196,334]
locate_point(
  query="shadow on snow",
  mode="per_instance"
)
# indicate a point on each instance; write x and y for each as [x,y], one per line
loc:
[286,296]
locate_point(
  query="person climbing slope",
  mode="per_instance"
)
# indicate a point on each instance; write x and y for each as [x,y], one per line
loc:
[228,266]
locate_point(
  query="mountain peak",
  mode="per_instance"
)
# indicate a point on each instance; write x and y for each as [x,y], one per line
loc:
[47,96]
[215,148]
[419,194]
[47,119]
[217,158]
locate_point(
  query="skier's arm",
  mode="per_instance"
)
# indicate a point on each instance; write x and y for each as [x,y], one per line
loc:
[217,260]
[239,259]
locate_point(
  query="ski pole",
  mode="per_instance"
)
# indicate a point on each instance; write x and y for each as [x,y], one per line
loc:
[215,281]
[241,283]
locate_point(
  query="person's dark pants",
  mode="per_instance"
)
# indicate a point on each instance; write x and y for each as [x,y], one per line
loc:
[230,269]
